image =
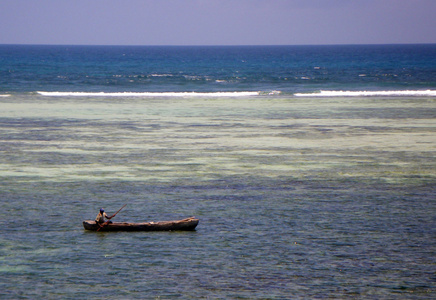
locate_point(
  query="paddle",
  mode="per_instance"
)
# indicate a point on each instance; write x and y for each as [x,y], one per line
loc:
[107,222]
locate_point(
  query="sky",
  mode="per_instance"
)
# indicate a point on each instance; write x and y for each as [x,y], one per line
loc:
[217,22]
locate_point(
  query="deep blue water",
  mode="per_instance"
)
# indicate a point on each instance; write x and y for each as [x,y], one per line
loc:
[298,196]
[288,69]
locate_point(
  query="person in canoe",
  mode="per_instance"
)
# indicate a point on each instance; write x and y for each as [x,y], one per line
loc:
[102,218]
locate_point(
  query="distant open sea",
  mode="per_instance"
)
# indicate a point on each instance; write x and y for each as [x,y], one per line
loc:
[312,170]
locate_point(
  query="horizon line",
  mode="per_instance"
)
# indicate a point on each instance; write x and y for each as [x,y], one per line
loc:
[212,45]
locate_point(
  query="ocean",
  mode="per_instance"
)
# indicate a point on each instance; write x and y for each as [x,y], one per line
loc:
[312,170]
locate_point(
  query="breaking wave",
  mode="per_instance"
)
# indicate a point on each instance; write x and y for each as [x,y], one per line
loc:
[427,93]
[148,94]
[323,93]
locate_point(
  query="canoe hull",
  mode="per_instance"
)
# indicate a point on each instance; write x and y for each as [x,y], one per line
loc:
[185,225]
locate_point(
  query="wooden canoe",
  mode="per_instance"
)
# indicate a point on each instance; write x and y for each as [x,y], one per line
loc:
[185,224]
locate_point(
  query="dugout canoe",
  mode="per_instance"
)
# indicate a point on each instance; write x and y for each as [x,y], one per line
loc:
[185,224]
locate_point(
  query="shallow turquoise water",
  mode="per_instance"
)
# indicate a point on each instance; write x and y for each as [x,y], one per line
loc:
[297,198]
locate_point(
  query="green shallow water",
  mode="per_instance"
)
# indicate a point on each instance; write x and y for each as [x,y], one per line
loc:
[297,198]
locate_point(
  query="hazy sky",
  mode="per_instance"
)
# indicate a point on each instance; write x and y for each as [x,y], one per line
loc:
[217,22]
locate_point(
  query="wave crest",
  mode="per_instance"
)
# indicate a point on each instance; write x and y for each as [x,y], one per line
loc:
[148,94]
[428,93]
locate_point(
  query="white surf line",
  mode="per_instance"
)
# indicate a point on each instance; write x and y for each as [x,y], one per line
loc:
[367,93]
[148,94]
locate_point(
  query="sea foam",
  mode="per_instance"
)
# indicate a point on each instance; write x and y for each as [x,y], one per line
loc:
[148,94]
[427,93]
